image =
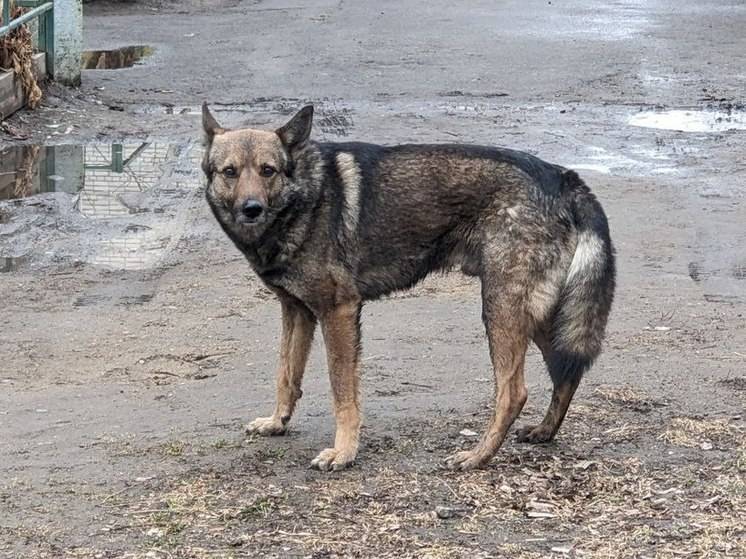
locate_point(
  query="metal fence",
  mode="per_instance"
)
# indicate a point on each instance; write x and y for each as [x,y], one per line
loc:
[59,26]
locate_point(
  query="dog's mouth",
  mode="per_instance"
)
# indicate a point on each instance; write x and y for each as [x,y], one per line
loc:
[242,219]
[252,227]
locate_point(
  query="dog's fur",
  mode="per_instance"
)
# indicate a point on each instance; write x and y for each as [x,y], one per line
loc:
[345,223]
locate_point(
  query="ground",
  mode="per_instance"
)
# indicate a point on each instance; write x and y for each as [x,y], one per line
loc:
[128,374]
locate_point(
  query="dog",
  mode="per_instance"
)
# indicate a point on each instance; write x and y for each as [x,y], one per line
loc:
[329,226]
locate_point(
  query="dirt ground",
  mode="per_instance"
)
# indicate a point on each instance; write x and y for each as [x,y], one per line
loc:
[124,388]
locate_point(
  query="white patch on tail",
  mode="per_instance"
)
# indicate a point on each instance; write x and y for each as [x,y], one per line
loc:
[350,174]
[588,253]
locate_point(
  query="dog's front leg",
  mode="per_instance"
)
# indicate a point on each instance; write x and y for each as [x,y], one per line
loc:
[341,328]
[298,325]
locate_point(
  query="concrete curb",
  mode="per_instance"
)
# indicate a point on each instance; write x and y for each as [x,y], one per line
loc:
[11,93]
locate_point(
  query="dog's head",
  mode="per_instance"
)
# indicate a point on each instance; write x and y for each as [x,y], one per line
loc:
[250,173]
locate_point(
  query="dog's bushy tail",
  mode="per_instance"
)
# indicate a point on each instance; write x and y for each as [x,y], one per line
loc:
[579,322]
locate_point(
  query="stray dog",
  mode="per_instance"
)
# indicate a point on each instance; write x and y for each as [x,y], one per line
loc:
[328,226]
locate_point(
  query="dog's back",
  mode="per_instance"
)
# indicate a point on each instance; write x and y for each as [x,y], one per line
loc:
[406,211]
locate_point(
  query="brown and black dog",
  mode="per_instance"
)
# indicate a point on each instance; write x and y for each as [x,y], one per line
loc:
[328,226]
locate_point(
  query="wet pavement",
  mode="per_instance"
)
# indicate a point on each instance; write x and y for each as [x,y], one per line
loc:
[136,341]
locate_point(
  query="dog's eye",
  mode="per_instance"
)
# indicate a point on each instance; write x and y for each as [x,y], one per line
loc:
[229,172]
[267,170]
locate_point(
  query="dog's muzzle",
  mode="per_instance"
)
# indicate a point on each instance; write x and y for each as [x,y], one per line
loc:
[251,211]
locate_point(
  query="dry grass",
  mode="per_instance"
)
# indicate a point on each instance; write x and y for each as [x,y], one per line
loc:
[582,497]
[694,433]
[24,179]
[535,502]
[626,396]
[16,54]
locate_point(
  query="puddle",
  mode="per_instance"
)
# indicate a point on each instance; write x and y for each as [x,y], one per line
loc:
[124,57]
[599,160]
[117,206]
[690,121]
[11,264]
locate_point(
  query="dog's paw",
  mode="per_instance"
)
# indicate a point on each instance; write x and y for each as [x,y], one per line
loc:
[266,426]
[466,460]
[332,459]
[534,434]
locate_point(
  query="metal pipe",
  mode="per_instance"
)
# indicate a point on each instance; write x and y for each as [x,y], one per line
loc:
[20,20]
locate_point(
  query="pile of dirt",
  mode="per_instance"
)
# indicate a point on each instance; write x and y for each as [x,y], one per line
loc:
[16,54]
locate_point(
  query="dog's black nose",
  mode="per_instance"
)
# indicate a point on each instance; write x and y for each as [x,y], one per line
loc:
[252,209]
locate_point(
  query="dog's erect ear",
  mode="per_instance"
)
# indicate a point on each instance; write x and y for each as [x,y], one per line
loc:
[209,123]
[296,132]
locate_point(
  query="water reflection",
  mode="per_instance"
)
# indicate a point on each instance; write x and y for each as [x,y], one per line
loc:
[10,264]
[133,190]
[102,174]
[690,120]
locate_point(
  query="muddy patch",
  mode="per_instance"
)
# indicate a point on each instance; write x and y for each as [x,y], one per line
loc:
[336,123]
[737,384]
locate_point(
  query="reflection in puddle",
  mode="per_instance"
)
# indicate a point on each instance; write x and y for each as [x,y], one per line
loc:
[124,57]
[104,175]
[133,193]
[599,160]
[690,121]
[10,264]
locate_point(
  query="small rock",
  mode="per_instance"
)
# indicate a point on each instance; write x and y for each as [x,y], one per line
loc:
[444,512]
[468,433]
[539,509]
[154,533]
[237,542]
[536,514]
[706,446]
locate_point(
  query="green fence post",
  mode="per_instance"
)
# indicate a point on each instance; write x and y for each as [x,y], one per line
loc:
[117,159]
[46,38]
[67,47]
[6,12]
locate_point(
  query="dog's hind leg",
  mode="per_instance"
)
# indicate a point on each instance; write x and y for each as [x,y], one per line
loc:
[564,389]
[507,333]
[298,325]
[571,338]
[341,327]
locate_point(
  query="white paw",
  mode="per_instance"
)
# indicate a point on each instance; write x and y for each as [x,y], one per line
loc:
[333,459]
[266,426]
[466,460]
